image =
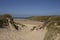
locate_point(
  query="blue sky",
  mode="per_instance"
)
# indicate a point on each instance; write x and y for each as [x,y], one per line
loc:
[30,7]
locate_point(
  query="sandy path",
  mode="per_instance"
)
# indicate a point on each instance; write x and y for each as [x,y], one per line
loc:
[24,34]
[33,35]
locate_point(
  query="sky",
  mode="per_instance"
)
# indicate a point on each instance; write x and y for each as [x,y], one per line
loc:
[30,7]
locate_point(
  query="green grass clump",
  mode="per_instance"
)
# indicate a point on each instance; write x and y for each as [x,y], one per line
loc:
[34,27]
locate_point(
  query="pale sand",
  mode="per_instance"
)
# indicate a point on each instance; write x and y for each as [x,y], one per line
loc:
[25,33]
[32,35]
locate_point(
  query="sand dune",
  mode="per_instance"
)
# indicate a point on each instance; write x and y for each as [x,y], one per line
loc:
[25,33]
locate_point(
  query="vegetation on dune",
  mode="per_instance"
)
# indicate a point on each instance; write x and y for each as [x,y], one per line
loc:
[39,18]
[44,18]
[34,27]
[52,24]
[4,21]
[52,32]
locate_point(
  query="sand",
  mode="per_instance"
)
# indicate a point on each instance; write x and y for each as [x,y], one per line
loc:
[25,33]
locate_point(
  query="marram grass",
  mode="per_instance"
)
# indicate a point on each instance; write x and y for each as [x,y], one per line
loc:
[52,33]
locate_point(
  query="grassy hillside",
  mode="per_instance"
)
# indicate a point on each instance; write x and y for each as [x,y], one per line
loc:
[45,18]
